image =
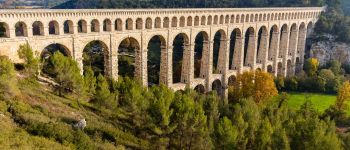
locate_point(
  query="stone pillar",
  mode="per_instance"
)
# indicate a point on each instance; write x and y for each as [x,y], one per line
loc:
[186,71]
[301,45]
[263,50]
[165,73]
[113,58]
[138,65]
[77,53]
[283,51]
[209,62]
[293,44]
[144,73]
[166,67]
[251,51]
[30,31]
[225,77]
[274,49]
[12,31]
[221,66]
[238,54]
[205,60]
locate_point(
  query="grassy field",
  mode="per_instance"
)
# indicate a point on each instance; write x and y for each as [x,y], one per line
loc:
[320,101]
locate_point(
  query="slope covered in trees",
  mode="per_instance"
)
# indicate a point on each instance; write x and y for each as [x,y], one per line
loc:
[125,114]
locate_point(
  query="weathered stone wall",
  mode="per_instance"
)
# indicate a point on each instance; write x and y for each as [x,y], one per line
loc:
[112,26]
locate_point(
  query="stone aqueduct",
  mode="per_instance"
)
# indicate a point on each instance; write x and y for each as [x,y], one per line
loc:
[269,39]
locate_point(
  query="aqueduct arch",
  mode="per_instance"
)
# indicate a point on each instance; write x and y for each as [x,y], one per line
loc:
[272,39]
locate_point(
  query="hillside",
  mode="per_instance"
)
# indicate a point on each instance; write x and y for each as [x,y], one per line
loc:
[37,118]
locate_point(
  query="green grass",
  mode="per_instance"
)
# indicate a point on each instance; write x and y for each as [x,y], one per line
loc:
[320,101]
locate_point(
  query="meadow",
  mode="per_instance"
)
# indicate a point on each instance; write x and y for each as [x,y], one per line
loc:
[320,101]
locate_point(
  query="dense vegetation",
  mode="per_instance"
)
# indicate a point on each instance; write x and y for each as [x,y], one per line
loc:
[125,114]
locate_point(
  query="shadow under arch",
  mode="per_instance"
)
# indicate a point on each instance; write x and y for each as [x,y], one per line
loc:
[128,50]
[155,66]
[201,50]
[96,55]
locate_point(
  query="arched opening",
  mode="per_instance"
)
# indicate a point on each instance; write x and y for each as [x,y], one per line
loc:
[274,35]
[180,46]
[216,19]
[235,47]
[189,21]
[156,46]
[128,50]
[200,89]
[216,86]
[298,65]
[174,22]
[196,21]
[54,28]
[210,20]
[38,28]
[290,70]
[301,42]
[203,20]
[237,19]
[219,52]
[21,29]
[139,23]
[227,19]
[293,38]
[107,25]
[283,42]
[46,54]
[68,27]
[232,19]
[82,26]
[232,80]
[166,22]
[309,28]
[221,19]
[279,69]
[249,47]
[96,56]
[148,23]
[182,21]
[129,24]
[157,23]
[262,45]
[201,47]
[118,25]
[95,26]
[270,69]
[4,30]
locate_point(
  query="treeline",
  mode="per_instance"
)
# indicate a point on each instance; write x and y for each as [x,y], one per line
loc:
[251,118]
[73,4]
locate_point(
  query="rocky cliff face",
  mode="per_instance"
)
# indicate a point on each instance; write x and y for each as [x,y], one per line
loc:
[330,50]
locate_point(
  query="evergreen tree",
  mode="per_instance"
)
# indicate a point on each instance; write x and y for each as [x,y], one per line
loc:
[67,74]
[90,81]
[31,63]
[8,82]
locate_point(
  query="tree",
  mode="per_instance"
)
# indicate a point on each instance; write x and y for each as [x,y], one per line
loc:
[67,74]
[311,66]
[90,81]
[264,86]
[103,97]
[343,96]
[258,85]
[31,63]
[8,82]
[226,134]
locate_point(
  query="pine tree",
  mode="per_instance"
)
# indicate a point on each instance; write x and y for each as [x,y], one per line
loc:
[90,81]
[31,63]
[103,97]
[226,134]
[8,82]
[67,74]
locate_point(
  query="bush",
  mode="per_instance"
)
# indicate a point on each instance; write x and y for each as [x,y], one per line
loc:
[8,82]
